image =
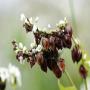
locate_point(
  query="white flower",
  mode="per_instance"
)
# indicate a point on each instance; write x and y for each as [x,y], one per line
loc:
[49,26]
[32,45]
[20,45]
[62,23]
[84,56]
[39,48]
[4,74]
[14,73]
[30,21]
[24,49]
[34,28]
[33,50]
[22,17]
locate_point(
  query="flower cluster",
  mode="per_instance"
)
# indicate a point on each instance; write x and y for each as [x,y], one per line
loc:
[47,44]
[11,75]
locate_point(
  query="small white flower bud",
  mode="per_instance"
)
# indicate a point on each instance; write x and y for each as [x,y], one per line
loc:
[33,50]
[4,74]
[34,28]
[20,45]
[24,48]
[39,48]
[49,26]
[84,56]
[22,17]
[32,45]
[36,19]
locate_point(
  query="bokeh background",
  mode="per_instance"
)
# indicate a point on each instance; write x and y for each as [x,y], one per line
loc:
[49,11]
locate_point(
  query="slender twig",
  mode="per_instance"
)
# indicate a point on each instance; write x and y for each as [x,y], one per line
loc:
[71,5]
[68,76]
[85,81]
[72,10]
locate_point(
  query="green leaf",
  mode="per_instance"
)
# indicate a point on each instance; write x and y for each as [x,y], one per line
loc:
[61,87]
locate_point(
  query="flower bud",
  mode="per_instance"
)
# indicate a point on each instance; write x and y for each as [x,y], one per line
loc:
[45,43]
[58,43]
[76,53]
[39,58]
[61,64]
[31,61]
[67,43]
[68,30]
[20,56]
[83,71]
[56,70]
[28,27]
[41,61]
[52,42]
[44,66]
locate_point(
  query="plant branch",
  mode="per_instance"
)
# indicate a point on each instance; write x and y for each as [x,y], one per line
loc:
[85,81]
[69,78]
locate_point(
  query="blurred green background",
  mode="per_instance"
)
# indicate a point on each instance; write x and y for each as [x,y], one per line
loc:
[49,11]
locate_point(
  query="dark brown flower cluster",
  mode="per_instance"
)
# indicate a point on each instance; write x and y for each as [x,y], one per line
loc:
[47,44]
[45,52]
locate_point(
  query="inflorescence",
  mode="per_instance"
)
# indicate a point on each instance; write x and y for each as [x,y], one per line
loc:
[46,46]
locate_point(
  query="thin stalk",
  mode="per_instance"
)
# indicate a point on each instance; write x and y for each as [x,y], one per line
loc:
[71,5]
[85,81]
[69,78]
[72,10]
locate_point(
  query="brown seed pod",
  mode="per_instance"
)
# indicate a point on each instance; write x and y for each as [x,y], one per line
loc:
[31,60]
[67,43]
[41,61]
[83,71]
[58,43]
[52,42]
[61,64]
[14,45]
[45,43]
[37,37]
[68,30]
[39,58]
[56,70]
[44,66]
[76,53]
[28,27]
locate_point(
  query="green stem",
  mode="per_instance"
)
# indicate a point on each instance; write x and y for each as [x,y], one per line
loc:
[72,10]
[71,4]
[85,81]
[68,76]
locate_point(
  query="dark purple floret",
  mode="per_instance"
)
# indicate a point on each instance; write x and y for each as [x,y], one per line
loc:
[76,54]
[83,71]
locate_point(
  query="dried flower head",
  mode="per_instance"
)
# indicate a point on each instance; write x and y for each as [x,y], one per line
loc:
[47,44]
